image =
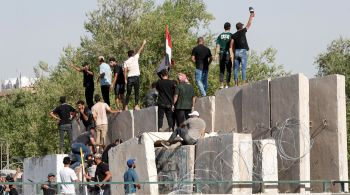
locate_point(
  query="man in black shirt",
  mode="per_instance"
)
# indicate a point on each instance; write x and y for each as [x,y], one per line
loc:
[63,114]
[102,174]
[202,57]
[88,82]
[86,117]
[166,89]
[105,151]
[118,82]
[48,187]
[239,47]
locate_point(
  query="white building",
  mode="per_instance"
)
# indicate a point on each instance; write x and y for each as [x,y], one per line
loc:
[15,83]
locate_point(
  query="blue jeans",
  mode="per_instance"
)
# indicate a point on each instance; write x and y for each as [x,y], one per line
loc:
[201,77]
[240,58]
[76,153]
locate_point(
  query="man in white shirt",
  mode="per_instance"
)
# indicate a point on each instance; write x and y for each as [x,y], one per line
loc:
[99,111]
[68,175]
[105,79]
[132,76]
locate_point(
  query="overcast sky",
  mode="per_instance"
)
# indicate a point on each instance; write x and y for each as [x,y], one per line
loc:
[299,29]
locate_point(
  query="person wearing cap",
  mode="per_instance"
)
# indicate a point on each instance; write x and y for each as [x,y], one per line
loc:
[88,82]
[67,175]
[118,82]
[105,79]
[63,114]
[166,89]
[184,99]
[222,49]
[132,76]
[99,111]
[191,130]
[131,176]
[201,57]
[102,174]
[49,187]
[239,47]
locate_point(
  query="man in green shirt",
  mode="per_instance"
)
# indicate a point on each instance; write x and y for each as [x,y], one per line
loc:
[222,49]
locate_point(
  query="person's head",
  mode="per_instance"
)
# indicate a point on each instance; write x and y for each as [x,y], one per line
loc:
[112,62]
[101,59]
[9,178]
[97,98]
[85,64]
[66,160]
[63,99]
[81,104]
[227,26]
[200,40]
[118,141]
[51,177]
[2,177]
[131,53]
[239,26]
[182,77]
[164,74]
[194,114]
[98,158]
[131,163]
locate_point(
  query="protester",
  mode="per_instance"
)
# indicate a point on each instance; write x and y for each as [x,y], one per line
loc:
[191,130]
[63,114]
[105,79]
[110,146]
[184,99]
[83,142]
[118,82]
[131,176]
[222,48]
[166,89]
[102,174]
[239,47]
[99,111]
[88,82]
[2,180]
[11,189]
[151,96]
[49,187]
[201,56]
[90,171]
[132,76]
[67,175]
[86,117]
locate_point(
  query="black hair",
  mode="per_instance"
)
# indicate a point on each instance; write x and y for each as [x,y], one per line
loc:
[118,140]
[66,160]
[200,39]
[85,63]
[97,98]
[63,99]
[81,102]
[239,26]
[163,73]
[130,166]
[227,26]
[131,53]
[112,59]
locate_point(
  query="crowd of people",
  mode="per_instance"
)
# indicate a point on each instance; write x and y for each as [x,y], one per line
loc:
[175,100]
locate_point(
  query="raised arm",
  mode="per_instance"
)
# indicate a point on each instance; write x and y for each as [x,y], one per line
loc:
[76,68]
[249,23]
[142,46]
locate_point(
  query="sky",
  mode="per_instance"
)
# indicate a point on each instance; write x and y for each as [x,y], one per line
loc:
[38,30]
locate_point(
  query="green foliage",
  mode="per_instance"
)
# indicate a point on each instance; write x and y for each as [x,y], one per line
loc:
[115,27]
[336,60]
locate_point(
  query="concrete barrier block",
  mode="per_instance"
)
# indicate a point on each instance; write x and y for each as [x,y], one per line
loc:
[206,108]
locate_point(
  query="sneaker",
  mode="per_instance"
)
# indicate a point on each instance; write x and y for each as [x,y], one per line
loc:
[221,87]
[226,87]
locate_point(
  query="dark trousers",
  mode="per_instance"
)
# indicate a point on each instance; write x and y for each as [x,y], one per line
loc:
[105,93]
[169,116]
[225,63]
[183,133]
[89,96]
[65,128]
[181,115]
[133,82]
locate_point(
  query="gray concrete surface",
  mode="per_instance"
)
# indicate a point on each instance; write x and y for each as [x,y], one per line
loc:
[206,108]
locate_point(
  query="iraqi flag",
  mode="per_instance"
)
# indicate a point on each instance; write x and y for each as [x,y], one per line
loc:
[168,45]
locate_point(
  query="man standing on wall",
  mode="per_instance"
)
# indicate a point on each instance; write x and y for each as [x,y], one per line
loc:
[118,82]
[132,76]
[202,57]
[239,48]
[222,48]
[88,82]
[105,79]
[63,114]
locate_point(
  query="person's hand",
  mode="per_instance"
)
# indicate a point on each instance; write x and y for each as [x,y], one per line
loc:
[173,108]
[252,14]
[144,41]
[126,81]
